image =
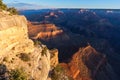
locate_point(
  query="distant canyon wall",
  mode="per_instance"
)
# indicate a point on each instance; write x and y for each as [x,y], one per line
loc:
[43,31]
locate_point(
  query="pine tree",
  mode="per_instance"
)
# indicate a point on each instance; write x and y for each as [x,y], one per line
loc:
[2,5]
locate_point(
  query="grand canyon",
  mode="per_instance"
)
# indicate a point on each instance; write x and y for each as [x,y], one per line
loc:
[58,43]
[71,29]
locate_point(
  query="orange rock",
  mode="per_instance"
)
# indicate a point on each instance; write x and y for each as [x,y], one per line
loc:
[43,31]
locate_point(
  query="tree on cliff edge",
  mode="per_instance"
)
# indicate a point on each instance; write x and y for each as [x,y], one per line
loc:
[3,6]
[12,10]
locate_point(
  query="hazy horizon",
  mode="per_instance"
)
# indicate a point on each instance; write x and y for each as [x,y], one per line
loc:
[44,4]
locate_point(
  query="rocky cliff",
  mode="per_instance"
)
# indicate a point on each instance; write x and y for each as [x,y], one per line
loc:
[54,58]
[45,31]
[19,53]
[88,64]
[13,35]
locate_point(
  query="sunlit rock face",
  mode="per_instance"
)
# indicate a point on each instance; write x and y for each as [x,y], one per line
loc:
[13,35]
[43,31]
[54,58]
[88,64]
[14,42]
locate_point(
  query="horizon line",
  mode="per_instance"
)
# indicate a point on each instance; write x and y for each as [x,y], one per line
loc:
[73,8]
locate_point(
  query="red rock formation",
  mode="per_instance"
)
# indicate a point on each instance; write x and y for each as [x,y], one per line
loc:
[88,64]
[43,31]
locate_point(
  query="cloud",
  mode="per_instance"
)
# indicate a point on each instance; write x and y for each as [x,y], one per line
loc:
[26,6]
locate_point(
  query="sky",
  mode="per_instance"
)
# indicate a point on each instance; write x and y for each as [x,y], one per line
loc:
[99,4]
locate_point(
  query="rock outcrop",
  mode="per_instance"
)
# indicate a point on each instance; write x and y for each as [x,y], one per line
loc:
[44,31]
[18,51]
[88,64]
[54,58]
[4,13]
[13,35]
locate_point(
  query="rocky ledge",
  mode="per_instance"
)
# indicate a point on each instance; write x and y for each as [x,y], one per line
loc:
[19,55]
[88,64]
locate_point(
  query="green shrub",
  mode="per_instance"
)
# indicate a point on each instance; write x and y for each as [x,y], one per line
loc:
[36,42]
[44,51]
[5,59]
[3,72]
[58,73]
[25,57]
[3,6]
[58,68]
[18,74]
[12,10]
[3,69]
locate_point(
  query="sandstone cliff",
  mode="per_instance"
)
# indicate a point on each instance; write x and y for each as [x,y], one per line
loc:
[18,51]
[44,31]
[54,58]
[13,35]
